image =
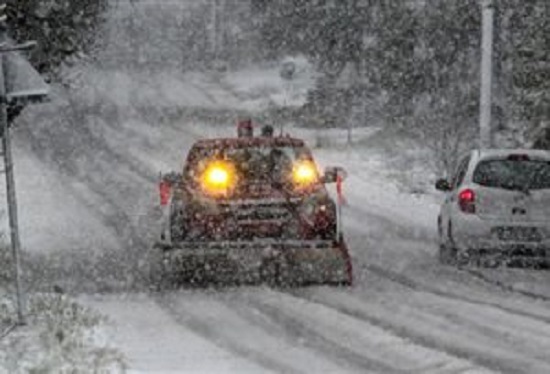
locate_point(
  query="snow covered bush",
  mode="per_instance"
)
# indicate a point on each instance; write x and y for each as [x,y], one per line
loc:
[61,336]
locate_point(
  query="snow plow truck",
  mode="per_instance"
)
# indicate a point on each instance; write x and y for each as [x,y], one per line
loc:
[249,210]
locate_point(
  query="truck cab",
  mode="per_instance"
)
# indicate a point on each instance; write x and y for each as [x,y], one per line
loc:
[261,195]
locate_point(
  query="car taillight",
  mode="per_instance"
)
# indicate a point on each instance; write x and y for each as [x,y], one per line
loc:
[317,218]
[466,201]
[165,192]
[324,216]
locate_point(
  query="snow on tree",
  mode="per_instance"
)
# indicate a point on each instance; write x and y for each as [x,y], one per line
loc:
[64,29]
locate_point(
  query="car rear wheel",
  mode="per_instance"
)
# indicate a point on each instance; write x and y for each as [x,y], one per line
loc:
[447,255]
[159,277]
[177,226]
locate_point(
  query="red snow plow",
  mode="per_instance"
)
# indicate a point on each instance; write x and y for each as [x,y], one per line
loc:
[252,210]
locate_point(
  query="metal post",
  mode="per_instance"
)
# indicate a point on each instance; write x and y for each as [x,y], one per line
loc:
[486,74]
[284,109]
[339,219]
[281,119]
[17,88]
[220,34]
[339,204]
[287,73]
[10,187]
[214,32]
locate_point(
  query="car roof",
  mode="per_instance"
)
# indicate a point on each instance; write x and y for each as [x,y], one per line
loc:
[488,154]
[245,142]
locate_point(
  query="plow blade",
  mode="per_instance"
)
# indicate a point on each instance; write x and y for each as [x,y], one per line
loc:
[281,263]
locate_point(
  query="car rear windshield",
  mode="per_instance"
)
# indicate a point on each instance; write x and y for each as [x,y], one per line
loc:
[513,174]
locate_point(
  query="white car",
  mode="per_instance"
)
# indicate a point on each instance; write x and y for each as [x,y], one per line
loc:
[497,209]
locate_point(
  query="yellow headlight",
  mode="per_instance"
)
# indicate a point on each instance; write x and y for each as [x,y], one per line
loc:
[218,178]
[304,173]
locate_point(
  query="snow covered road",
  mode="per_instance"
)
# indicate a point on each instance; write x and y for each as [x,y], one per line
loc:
[379,326]
[405,313]
[387,323]
[410,315]
[155,342]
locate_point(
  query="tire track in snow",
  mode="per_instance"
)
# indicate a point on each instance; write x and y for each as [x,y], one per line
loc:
[505,287]
[207,315]
[359,337]
[392,228]
[271,319]
[357,239]
[529,335]
[426,331]
[153,341]
[417,286]
[113,183]
[99,173]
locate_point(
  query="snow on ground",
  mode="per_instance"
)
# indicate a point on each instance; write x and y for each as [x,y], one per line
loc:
[405,313]
[378,204]
[253,89]
[50,216]
[258,87]
[156,343]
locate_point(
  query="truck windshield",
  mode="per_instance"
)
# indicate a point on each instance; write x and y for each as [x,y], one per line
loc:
[513,174]
[253,164]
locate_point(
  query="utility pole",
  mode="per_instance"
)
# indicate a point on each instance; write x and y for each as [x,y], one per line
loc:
[14,87]
[214,31]
[287,73]
[10,181]
[485,100]
[222,26]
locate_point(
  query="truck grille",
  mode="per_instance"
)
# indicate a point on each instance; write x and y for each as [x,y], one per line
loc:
[251,212]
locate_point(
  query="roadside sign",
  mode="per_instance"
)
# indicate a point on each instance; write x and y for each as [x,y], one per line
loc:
[22,81]
[288,69]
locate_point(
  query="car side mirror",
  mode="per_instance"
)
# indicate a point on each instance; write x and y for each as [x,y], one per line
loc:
[333,173]
[442,185]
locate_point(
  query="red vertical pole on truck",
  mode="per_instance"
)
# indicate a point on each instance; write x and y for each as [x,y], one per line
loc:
[339,190]
[165,192]
[340,202]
